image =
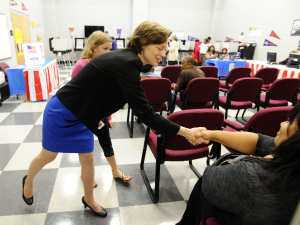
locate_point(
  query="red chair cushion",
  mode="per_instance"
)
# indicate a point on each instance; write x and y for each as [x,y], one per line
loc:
[234,104]
[273,103]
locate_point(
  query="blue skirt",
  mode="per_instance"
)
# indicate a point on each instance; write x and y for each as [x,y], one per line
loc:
[63,132]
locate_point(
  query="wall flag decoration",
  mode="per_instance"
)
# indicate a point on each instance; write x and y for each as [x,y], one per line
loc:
[268,43]
[71,30]
[228,39]
[24,7]
[298,49]
[32,24]
[119,31]
[273,34]
[190,38]
[38,38]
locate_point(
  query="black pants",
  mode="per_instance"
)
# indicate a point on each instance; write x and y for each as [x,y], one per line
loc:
[198,208]
[105,140]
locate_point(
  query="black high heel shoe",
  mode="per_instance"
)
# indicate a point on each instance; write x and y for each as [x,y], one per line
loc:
[103,212]
[28,201]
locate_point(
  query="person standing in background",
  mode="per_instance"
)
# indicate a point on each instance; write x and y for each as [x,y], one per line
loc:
[197,50]
[114,44]
[203,49]
[173,51]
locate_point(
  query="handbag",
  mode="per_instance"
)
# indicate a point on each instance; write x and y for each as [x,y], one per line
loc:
[229,158]
[193,54]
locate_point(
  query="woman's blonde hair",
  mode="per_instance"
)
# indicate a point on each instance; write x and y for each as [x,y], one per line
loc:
[147,33]
[97,38]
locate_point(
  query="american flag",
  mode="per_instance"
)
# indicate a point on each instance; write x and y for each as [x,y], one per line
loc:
[31,49]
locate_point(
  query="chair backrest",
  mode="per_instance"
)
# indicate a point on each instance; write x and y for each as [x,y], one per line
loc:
[212,119]
[237,73]
[171,72]
[284,88]
[269,75]
[156,89]
[202,89]
[267,121]
[4,66]
[209,71]
[245,89]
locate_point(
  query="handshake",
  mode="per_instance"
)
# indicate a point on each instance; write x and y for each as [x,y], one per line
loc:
[196,135]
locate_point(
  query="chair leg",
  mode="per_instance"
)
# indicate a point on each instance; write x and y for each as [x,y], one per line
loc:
[153,194]
[243,116]
[145,148]
[130,123]
[241,121]
[226,112]
[194,169]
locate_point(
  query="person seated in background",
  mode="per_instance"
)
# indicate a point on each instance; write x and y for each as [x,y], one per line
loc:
[261,187]
[224,50]
[284,62]
[148,72]
[189,72]
[211,53]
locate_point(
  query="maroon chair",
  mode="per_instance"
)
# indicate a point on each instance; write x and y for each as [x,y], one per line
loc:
[200,93]
[280,92]
[241,95]
[171,73]
[266,121]
[269,75]
[210,71]
[234,74]
[4,66]
[212,221]
[158,92]
[178,148]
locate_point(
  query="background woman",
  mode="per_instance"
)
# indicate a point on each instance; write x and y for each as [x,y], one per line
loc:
[211,53]
[100,88]
[261,188]
[197,50]
[173,51]
[97,44]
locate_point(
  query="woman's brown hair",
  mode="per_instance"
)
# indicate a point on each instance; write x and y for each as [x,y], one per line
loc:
[147,33]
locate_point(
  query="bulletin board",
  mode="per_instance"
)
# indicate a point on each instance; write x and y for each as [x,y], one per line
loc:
[5,51]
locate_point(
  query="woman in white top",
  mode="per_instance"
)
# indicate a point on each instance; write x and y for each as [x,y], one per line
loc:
[173,51]
[203,49]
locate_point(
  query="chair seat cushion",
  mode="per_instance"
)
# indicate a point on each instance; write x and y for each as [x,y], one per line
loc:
[234,104]
[233,125]
[177,155]
[206,105]
[161,108]
[272,103]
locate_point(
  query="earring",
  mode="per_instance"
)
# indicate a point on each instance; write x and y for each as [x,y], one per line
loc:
[141,52]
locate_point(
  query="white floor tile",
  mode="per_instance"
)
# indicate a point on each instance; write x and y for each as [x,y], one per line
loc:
[31,107]
[162,213]
[3,116]
[33,219]
[25,153]
[40,120]
[68,189]
[14,134]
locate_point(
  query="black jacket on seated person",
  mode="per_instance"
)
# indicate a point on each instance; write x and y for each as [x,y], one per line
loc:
[104,85]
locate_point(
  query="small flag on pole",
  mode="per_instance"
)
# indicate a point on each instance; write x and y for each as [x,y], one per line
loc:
[268,43]
[24,7]
[273,34]
[31,49]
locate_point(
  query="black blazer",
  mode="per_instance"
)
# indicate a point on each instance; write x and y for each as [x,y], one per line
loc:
[104,85]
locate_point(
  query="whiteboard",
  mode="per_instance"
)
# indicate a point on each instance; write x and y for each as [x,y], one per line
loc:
[5,51]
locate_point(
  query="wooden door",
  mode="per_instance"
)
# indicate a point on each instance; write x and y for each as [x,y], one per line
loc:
[21,30]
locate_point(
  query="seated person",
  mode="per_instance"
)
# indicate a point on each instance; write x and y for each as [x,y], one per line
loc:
[148,72]
[284,62]
[211,53]
[224,50]
[261,188]
[189,72]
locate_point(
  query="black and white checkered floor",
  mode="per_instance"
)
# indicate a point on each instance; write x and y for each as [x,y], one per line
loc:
[58,188]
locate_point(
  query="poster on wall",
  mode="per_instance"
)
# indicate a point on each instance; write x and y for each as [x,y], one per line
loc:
[119,31]
[298,46]
[34,54]
[19,40]
[255,31]
[296,28]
